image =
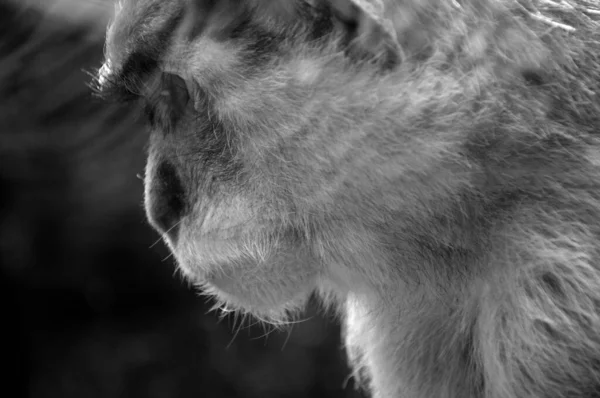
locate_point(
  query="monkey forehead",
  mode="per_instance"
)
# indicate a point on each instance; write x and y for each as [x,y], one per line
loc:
[140,27]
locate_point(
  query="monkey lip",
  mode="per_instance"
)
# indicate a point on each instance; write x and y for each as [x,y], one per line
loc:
[210,268]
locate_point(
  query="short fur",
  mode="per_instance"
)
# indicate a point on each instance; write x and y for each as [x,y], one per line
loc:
[443,196]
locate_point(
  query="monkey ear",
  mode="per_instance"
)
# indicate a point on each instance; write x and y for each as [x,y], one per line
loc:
[395,28]
[372,33]
[379,13]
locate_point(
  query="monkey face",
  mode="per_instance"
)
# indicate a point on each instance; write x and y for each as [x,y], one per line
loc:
[287,154]
[239,170]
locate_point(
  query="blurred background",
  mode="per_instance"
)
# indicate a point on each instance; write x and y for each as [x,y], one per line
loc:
[91,302]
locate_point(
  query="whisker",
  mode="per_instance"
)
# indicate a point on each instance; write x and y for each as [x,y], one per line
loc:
[289,333]
[164,234]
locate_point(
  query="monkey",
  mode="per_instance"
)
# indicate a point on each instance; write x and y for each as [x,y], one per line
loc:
[438,187]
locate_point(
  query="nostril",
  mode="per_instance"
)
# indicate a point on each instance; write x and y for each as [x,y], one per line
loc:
[165,202]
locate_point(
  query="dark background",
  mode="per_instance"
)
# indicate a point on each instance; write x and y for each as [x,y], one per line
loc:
[91,306]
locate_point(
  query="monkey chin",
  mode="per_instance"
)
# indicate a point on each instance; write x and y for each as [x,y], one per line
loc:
[271,286]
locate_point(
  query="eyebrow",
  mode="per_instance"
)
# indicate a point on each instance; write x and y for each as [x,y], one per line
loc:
[126,84]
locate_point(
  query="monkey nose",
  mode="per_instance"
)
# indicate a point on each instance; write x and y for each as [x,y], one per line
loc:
[165,200]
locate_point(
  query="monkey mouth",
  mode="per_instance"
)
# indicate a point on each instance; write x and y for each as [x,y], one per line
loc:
[262,274]
[246,286]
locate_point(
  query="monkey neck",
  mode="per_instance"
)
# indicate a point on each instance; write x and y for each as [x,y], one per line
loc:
[396,344]
[407,310]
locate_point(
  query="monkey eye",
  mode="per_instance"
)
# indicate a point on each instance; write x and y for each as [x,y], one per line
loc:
[167,101]
[175,89]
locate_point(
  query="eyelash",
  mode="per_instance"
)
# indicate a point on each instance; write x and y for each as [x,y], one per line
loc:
[115,89]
